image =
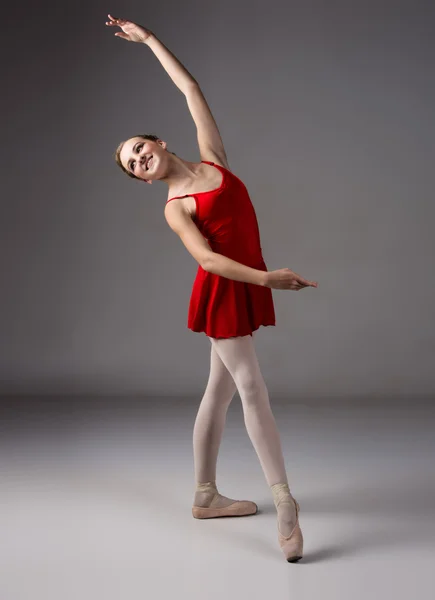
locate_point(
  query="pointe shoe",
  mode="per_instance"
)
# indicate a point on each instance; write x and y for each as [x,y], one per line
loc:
[239,508]
[292,546]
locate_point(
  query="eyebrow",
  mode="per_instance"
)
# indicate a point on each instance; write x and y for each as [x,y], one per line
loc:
[129,162]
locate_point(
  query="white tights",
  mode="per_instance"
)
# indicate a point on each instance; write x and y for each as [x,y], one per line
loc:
[234,366]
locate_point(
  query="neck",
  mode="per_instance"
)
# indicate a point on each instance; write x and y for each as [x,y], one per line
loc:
[180,172]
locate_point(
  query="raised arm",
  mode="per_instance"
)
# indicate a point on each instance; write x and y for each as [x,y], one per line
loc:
[209,139]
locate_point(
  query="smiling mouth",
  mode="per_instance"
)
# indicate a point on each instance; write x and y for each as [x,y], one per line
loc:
[149,163]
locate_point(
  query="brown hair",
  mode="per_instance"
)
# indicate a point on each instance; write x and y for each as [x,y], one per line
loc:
[146,136]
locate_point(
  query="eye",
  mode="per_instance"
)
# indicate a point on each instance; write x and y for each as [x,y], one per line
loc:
[133,162]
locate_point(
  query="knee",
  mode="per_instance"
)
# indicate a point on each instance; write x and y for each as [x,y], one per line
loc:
[221,391]
[251,389]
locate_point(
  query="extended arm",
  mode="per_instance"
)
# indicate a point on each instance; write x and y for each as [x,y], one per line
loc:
[209,139]
[231,269]
[210,143]
[180,221]
[176,71]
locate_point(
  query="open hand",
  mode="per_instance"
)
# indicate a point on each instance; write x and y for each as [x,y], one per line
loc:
[130,31]
[284,279]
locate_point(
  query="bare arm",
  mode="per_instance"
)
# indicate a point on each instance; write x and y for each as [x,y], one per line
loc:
[209,139]
[176,71]
[231,269]
[132,32]
[180,221]
[281,279]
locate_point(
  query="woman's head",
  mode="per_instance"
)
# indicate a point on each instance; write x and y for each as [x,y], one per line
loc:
[143,157]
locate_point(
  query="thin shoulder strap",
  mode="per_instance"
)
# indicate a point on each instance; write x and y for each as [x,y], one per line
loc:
[208,162]
[175,197]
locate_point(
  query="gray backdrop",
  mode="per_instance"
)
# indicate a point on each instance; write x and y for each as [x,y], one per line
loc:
[326,112]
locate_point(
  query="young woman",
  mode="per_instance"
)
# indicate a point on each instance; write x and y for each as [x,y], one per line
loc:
[210,209]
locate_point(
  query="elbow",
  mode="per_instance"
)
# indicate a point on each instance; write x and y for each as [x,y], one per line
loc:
[207,261]
[192,84]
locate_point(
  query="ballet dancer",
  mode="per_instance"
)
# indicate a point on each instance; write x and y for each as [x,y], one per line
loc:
[209,207]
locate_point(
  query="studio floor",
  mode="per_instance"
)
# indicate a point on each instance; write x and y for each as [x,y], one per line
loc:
[96,495]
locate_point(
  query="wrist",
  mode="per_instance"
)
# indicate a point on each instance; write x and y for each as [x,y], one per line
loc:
[149,39]
[265,279]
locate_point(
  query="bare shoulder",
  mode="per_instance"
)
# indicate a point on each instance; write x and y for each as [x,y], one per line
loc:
[180,221]
[177,215]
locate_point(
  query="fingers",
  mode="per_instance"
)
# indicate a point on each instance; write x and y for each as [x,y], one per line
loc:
[306,282]
[115,21]
[302,283]
[301,286]
[301,280]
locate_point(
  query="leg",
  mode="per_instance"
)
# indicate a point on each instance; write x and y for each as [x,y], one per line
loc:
[207,436]
[239,356]
[211,417]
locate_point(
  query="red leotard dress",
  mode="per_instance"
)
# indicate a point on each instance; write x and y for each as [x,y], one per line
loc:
[221,307]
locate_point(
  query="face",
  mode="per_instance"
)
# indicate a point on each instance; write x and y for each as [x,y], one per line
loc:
[144,158]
